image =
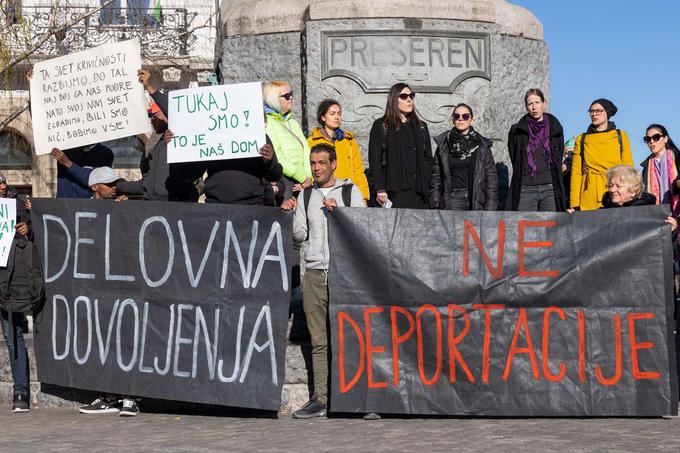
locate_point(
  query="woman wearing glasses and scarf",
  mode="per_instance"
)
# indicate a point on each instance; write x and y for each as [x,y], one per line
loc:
[285,133]
[536,147]
[660,170]
[400,153]
[464,172]
[601,147]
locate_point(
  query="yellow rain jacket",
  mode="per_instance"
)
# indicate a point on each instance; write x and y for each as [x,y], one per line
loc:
[350,163]
[601,152]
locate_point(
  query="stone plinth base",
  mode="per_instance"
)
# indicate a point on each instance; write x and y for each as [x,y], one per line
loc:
[295,392]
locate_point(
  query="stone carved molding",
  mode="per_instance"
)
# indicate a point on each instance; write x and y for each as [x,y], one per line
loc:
[429,60]
[258,17]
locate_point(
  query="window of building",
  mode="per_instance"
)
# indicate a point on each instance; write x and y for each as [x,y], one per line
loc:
[15,151]
[126,152]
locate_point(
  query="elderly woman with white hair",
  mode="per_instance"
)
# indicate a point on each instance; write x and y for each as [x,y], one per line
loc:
[286,135]
[625,188]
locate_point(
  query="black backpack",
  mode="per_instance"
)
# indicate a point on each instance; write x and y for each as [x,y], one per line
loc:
[307,195]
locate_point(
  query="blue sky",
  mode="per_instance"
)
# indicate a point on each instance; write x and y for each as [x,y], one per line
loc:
[625,50]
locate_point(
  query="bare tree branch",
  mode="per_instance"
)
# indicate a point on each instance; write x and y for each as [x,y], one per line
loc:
[47,36]
[13,115]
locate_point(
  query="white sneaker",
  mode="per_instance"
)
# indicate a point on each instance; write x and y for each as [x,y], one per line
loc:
[130,408]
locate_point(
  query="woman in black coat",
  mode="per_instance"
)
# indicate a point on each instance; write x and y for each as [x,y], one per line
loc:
[536,147]
[464,172]
[400,153]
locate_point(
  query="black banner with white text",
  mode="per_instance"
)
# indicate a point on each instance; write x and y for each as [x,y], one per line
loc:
[176,301]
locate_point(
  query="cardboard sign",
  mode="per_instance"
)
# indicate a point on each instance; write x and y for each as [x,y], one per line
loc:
[502,314]
[216,123]
[88,97]
[8,219]
[184,302]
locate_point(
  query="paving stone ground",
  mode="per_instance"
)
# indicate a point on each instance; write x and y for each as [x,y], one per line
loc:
[65,430]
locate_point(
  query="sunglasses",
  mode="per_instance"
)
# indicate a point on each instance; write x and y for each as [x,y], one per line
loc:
[462,116]
[404,96]
[654,138]
[287,96]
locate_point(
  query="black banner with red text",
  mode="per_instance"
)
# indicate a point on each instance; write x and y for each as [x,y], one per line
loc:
[502,314]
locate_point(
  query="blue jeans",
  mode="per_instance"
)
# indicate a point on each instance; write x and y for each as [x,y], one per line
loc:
[537,198]
[18,358]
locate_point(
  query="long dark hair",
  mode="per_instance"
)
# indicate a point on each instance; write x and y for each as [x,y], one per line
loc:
[670,145]
[392,116]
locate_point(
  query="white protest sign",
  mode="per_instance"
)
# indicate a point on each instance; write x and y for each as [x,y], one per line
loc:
[88,97]
[216,122]
[8,219]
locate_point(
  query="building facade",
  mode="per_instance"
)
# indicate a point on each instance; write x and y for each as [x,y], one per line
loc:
[178,47]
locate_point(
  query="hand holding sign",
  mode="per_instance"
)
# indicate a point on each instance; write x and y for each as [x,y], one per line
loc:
[22,228]
[267,153]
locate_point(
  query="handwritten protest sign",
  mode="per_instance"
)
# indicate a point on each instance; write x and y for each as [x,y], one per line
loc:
[8,218]
[88,97]
[215,123]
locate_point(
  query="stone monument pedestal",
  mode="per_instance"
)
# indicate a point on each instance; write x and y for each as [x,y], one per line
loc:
[485,53]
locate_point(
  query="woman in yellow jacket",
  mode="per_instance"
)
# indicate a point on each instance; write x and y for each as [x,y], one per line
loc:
[350,163]
[601,147]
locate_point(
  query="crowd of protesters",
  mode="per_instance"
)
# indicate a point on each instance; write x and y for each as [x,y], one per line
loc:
[312,175]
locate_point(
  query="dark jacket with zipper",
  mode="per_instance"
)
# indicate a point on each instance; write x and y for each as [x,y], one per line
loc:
[482,181]
[385,163]
[518,139]
[21,280]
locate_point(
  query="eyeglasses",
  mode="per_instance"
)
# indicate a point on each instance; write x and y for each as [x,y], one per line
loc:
[654,138]
[404,96]
[287,96]
[462,116]
[596,111]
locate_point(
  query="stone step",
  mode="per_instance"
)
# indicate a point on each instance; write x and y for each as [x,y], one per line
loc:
[295,392]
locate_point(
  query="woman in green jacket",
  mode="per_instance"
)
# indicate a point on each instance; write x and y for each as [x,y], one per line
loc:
[290,143]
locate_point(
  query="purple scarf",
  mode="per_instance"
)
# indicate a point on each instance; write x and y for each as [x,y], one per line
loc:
[539,137]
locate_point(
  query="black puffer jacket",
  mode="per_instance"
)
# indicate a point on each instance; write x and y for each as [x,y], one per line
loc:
[482,184]
[21,281]
[518,139]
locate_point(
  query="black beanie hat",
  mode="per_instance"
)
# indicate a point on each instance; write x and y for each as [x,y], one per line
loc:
[607,105]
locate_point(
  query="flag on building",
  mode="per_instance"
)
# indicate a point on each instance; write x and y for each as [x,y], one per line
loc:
[154,12]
